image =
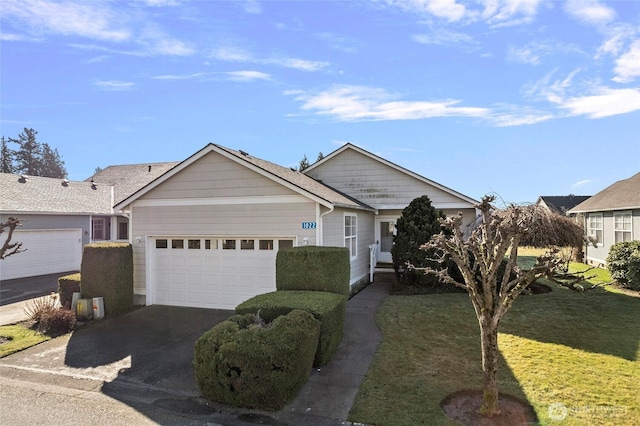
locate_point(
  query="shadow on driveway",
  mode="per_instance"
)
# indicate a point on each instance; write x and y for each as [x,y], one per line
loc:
[152,345]
[19,289]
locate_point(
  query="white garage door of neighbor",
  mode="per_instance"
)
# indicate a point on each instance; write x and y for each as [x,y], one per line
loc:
[46,252]
[211,272]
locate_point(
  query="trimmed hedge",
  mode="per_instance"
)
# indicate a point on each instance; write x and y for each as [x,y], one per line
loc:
[107,271]
[244,363]
[314,268]
[68,285]
[328,308]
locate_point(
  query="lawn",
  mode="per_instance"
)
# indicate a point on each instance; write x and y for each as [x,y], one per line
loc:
[580,350]
[14,338]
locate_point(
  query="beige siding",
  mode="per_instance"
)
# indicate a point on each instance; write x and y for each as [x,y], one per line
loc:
[268,220]
[333,235]
[215,176]
[377,184]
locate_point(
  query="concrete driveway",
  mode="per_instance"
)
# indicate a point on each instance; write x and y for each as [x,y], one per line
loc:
[149,347]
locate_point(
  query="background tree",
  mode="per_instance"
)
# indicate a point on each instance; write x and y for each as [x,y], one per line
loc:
[418,222]
[6,157]
[304,163]
[35,158]
[8,248]
[493,289]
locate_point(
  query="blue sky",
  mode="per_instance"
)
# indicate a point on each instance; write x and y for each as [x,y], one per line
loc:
[519,98]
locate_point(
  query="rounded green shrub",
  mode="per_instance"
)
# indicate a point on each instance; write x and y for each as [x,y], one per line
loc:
[246,363]
[68,285]
[618,261]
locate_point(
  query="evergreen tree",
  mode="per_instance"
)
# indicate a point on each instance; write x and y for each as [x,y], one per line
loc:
[33,158]
[6,157]
[304,163]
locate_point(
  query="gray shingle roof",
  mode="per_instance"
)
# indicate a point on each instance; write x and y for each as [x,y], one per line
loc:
[301,181]
[624,194]
[129,178]
[48,195]
[563,203]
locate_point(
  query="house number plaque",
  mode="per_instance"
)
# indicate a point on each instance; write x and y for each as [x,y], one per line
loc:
[308,225]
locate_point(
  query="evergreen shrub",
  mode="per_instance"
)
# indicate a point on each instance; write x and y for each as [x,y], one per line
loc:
[621,262]
[246,363]
[328,308]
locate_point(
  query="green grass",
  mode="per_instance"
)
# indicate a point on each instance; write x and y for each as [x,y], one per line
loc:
[578,349]
[19,338]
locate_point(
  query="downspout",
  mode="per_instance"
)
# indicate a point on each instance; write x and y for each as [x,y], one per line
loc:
[320,230]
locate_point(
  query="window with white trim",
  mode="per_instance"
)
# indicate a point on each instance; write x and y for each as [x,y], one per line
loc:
[351,234]
[622,226]
[594,228]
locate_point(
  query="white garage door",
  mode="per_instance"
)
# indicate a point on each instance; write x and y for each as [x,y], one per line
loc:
[46,252]
[211,272]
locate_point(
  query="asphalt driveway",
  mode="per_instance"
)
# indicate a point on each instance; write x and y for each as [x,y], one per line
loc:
[150,346]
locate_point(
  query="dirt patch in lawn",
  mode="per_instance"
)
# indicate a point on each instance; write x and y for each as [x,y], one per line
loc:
[463,406]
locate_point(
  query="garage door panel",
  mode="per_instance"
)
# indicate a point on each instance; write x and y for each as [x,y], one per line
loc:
[210,277]
[46,252]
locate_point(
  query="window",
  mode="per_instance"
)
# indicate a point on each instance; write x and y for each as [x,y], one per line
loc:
[211,244]
[350,234]
[194,244]
[177,244]
[594,228]
[622,226]
[265,245]
[97,227]
[285,244]
[123,231]
[161,244]
[228,244]
[247,244]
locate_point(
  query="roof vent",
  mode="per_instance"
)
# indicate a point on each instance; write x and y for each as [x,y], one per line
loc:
[94,186]
[149,168]
[22,178]
[65,182]
[246,154]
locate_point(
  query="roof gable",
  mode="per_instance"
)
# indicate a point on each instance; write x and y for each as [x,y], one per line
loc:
[622,195]
[562,203]
[35,194]
[291,179]
[385,184]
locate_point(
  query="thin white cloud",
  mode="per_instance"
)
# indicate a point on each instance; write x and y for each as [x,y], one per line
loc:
[161,3]
[529,54]
[235,54]
[115,85]
[523,118]
[91,20]
[359,103]
[605,103]
[253,7]
[337,42]
[193,76]
[247,76]
[445,37]
[445,9]
[581,183]
[590,11]
[507,13]
[627,67]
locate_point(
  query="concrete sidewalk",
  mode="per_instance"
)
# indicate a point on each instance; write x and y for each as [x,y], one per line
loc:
[331,390]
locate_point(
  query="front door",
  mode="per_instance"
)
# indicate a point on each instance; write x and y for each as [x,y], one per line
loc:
[385,229]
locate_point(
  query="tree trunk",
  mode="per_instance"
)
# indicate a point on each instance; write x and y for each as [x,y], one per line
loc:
[489,340]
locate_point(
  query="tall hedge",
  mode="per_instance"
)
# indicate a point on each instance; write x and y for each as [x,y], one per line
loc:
[68,285]
[107,272]
[314,269]
[246,363]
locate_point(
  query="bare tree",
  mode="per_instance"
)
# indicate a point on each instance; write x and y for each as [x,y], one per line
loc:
[8,248]
[496,238]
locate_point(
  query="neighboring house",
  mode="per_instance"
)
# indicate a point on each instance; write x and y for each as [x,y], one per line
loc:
[206,232]
[60,216]
[611,216]
[562,203]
